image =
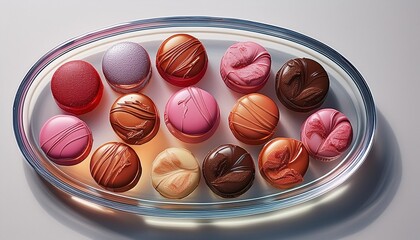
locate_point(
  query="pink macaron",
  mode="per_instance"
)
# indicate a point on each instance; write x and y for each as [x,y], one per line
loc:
[192,115]
[326,134]
[65,139]
[245,67]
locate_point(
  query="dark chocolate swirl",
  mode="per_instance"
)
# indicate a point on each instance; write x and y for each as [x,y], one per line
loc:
[229,170]
[302,84]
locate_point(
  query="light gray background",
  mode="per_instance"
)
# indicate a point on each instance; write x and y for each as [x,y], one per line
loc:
[381,39]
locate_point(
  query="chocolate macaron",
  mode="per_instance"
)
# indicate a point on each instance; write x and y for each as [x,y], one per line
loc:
[115,167]
[302,84]
[228,170]
[181,60]
[134,118]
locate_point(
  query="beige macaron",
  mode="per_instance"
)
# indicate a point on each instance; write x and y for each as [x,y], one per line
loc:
[175,173]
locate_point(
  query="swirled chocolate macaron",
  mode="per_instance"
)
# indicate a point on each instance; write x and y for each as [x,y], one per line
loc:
[283,162]
[302,84]
[228,170]
[126,67]
[326,134]
[175,173]
[245,67]
[115,167]
[65,139]
[192,115]
[254,118]
[134,118]
[76,87]
[181,60]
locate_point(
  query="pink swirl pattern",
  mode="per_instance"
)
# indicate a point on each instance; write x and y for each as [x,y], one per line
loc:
[245,67]
[326,134]
[66,140]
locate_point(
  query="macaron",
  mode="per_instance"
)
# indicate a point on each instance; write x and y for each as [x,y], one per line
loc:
[181,60]
[229,170]
[245,67]
[134,118]
[283,162]
[115,166]
[192,115]
[326,134]
[175,173]
[66,140]
[126,67]
[302,84]
[254,118]
[76,87]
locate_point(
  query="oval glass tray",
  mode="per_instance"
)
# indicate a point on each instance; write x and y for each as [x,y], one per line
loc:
[348,93]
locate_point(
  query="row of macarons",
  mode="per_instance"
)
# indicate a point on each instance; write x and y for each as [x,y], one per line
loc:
[228,169]
[301,84]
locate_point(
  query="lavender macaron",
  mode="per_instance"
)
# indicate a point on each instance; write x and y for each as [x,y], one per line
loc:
[127,67]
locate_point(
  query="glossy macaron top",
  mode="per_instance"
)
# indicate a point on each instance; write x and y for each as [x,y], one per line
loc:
[134,118]
[192,114]
[65,139]
[254,118]
[115,166]
[228,170]
[302,84]
[175,173]
[283,162]
[181,60]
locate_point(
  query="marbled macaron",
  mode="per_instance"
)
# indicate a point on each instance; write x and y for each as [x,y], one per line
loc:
[326,134]
[245,67]
[175,173]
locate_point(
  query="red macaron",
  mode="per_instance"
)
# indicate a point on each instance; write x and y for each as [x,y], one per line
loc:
[76,87]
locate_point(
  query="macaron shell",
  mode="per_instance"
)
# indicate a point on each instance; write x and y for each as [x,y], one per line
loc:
[66,140]
[115,166]
[192,112]
[326,134]
[134,118]
[126,67]
[302,84]
[254,118]
[228,170]
[245,67]
[175,173]
[76,87]
[283,162]
[181,60]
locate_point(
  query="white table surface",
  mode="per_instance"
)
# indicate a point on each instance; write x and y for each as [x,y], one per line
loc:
[381,201]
